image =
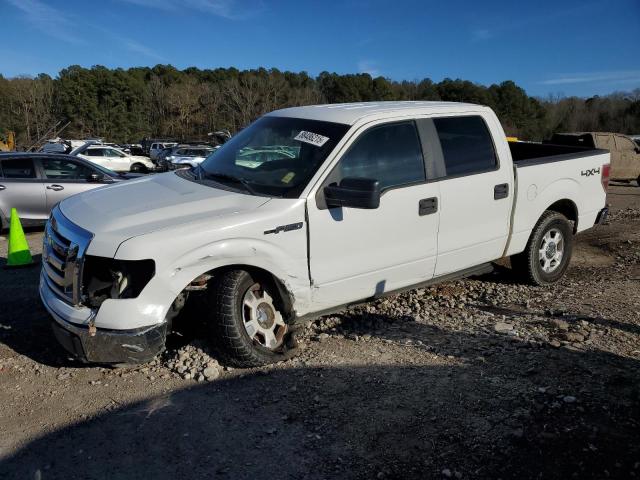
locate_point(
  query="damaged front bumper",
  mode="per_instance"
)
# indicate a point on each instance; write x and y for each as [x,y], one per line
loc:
[100,345]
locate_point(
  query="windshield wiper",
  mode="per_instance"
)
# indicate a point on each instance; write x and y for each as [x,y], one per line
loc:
[226,176]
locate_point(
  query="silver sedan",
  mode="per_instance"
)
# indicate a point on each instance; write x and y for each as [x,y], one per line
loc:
[33,183]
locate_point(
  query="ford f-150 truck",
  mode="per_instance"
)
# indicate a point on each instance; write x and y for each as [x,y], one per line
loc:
[306,211]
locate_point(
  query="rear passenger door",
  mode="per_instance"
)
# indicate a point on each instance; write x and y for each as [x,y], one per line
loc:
[20,188]
[476,193]
[63,178]
[118,161]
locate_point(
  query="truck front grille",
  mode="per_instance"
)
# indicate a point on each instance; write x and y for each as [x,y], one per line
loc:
[63,250]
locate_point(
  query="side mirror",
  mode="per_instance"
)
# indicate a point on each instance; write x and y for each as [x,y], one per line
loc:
[95,177]
[354,193]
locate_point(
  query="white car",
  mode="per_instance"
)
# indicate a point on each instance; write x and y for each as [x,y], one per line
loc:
[114,159]
[303,212]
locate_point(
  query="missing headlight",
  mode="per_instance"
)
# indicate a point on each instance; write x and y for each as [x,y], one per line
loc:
[105,278]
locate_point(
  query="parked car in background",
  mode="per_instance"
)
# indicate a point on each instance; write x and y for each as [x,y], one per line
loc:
[625,153]
[59,145]
[185,156]
[156,148]
[113,158]
[133,149]
[33,183]
[636,138]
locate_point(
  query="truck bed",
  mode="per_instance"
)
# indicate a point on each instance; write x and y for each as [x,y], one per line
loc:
[528,153]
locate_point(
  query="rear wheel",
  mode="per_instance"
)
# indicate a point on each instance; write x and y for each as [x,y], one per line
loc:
[548,252]
[246,321]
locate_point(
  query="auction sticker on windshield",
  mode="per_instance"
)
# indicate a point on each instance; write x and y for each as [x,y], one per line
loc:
[312,138]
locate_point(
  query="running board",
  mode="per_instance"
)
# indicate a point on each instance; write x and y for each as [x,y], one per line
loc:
[449,277]
[468,272]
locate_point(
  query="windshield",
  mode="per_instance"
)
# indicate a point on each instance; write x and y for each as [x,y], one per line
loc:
[273,156]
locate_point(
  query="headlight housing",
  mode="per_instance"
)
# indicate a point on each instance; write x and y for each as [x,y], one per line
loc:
[105,278]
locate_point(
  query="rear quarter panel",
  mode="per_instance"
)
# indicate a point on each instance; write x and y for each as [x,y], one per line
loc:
[541,185]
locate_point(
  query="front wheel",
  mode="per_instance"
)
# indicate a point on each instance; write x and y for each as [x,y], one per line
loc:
[548,251]
[138,168]
[246,321]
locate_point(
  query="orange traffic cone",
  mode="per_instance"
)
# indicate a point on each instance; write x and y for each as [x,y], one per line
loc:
[18,254]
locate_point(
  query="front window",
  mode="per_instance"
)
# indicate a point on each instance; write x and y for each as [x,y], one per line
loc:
[388,153]
[64,169]
[274,156]
[115,153]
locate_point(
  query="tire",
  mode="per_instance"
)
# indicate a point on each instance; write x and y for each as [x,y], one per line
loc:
[240,310]
[138,168]
[548,251]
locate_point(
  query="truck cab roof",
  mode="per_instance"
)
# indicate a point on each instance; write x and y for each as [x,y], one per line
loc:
[350,113]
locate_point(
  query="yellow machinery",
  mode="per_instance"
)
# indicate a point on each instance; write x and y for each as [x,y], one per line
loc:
[10,144]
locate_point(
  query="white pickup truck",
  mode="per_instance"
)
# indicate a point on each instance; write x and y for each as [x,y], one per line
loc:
[305,211]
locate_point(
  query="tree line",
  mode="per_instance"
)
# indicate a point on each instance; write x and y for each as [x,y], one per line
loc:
[126,105]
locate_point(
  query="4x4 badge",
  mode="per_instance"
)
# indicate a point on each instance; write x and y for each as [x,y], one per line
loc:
[588,173]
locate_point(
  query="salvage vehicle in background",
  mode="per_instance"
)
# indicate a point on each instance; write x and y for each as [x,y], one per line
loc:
[113,158]
[359,201]
[156,148]
[59,145]
[187,156]
[33,183]
[625,153]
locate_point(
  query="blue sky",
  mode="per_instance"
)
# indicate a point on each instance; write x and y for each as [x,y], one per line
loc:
[548,47]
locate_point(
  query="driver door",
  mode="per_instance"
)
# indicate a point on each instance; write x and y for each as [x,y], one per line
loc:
[119,161]
[360,253]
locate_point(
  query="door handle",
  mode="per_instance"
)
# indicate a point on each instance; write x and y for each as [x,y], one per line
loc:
[2,187]
[501,191]
[55,187]
[427,206]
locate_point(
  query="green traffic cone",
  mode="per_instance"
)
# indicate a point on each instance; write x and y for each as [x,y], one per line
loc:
[18,249]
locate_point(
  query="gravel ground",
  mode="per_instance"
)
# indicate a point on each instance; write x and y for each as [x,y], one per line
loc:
[480,378]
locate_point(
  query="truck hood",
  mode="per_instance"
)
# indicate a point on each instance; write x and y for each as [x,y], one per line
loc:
[128,209]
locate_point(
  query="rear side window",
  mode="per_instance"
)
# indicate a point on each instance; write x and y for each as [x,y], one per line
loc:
[95,152]
[389,153]
[18,168]
[466,144]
